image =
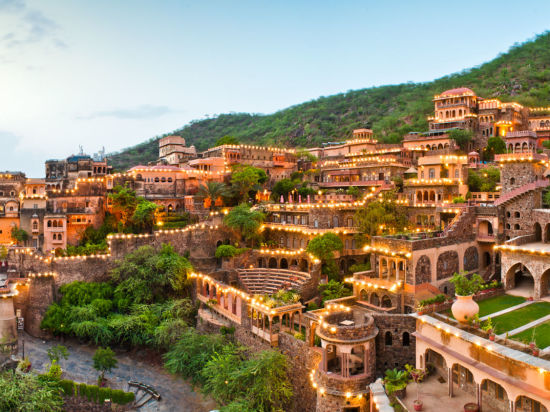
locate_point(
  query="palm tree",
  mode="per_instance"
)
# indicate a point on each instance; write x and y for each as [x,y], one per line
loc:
[212,190]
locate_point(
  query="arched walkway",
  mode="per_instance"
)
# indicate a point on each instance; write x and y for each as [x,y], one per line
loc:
[519,278]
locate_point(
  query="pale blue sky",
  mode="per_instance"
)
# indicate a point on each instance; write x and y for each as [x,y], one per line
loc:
[114,73]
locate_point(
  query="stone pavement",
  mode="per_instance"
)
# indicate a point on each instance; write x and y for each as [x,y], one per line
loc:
[177,395]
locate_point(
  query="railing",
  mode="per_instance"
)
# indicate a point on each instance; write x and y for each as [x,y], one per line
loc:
[521,190]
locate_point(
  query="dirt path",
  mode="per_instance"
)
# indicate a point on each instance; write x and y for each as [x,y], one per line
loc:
[177,394]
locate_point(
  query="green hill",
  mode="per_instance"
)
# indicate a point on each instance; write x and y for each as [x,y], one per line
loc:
[522,74]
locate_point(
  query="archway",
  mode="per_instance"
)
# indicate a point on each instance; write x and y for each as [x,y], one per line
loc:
[357,361]
[487,260]
[485,229]
[363,295]
[283,264]
[526,404]
[386,302]
[545,283]
[520,279]
[374,299]
[493,396]
[303,265]
[272,263]
[261,263]
[538,232]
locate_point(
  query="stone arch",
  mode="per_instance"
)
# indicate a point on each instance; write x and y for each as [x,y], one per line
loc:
[518,273]
[283,264]
[261,263]
[544,283]
[272,264]
[447,264]
[547,233]
[538,232]
[374,299]
[294,262]
[406,339]
[471,258]
[435,361]
[491,390]
[485,228]
[363,295]
[303,265]
[386,301]
[423,270]
[525,403]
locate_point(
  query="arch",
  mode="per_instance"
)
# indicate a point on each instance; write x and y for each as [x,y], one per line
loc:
[435,361]
[363,295]
[374,299]
[406,339]
[487,259]
[538,232]
[54,223]
[283,264]
[471,258]
[439,146]
[388,338]
[493,395]
[544,283]
[519,276]
[447,264]
[512,180]
[303,265]
[386,301]
[49,223]
[419,196]
[524,403]
[423,270]
[335,221]
[426,196]
[261,263]
[432,196]
[357,361]
[485,228]
[294,263]
[272,264]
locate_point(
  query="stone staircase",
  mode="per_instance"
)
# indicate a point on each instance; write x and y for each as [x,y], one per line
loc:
[267,281]
[452,228]
[519,191]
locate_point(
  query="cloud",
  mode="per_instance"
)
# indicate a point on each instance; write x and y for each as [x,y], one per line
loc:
[12,5]
[33,26]
[145,111]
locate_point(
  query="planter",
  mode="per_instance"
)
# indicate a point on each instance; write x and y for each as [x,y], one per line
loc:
[492,337]
[465,308]
[418,405]
[536,352]
[401,393]
[532,345]
[471,407]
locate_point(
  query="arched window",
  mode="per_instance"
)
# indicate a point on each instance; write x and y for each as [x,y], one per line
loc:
[157,180]
[315,223]
[49,223]
[335,221]
[55,223]
[59,236]
[163,179]
[54,236]
[35,225]
[406,339]
[388,339]
[169,180]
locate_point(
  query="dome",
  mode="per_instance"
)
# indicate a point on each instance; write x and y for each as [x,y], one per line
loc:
[460,90]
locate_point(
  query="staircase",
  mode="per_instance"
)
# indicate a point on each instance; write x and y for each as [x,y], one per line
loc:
[452,227]
[519,191]
[268,281]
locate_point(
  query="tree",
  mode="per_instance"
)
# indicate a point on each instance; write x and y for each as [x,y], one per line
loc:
[323,248]
[19,235]
[461,137]
[381,216]
[353,191]
[228,251]
[227,139]
[104,361]
[3,252]
[495,145]
[212,191]
[333,290]
[246,221]
[282,188]
[123,202]
[484,180]
[55,353]
[244,179]
[143,217]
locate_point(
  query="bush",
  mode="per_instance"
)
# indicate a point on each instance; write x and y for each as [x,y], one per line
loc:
[300,335]
[69,387]
[228,251]
[436,299]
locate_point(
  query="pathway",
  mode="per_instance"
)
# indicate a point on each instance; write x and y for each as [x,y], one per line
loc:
[177,394]
[526,326]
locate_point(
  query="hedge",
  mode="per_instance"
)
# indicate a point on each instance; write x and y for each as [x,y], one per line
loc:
[96,394]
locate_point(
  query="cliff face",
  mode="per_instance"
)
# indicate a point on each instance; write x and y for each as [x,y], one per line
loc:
[519,75]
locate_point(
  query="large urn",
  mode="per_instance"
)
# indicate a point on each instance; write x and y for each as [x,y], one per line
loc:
[465,308]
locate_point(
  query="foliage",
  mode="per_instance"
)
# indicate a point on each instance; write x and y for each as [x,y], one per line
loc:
[58,352]
[353,191]
[461,137]
[213,191]
[495,145]
[465,286]
[282,188]
[459,199]
[431,301]
[488,325]
[392,110]
[227,139]
[333,290]
[133,213]
[96,394]
[54,371]
[380,217]
[324,246]
[359,267]
[104,360]
[143,218]
[27,392]
[280,298]
[484,180]
[546,199]
[395,380]
[246,221]
[228,251]
[19,235]
[246,178]
[3,252]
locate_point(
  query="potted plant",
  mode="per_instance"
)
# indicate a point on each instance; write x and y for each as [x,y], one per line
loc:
[24,365]
[416,375]
[396,382]
[465,288]
[420,309]
[475,322]
[488,327]
[471,407]
[533,342]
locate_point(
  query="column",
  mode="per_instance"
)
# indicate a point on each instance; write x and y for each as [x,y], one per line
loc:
[366,358]
[324,360]
[344,368]
[478,393]
[450,379]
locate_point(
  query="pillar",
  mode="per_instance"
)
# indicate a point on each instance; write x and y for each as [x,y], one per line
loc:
[450,379]
[344,367]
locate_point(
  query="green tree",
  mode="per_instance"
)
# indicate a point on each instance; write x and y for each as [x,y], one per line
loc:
[19,235]
[484,180]
[143,217]
[333,290]
[381,216]
[461,137]
[57,352]
[323,248]
[123,202]
[353,191]
[212,191]
[246,221]
[104,361]
[244,179]
[227,251]
[227,139]
[282,188]
[495,145]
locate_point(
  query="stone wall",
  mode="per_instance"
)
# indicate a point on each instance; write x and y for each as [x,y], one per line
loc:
[398,353]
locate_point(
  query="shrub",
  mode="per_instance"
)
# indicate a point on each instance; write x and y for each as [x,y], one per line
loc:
[436,299]
[465,286]
[299,335]
[228,251]
[69,387]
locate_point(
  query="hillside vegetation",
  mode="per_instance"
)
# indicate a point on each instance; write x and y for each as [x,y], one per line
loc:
[522,74]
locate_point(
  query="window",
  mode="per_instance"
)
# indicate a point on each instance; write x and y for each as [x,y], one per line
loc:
[406,339]
[35,225]
[517,215]
[432,173]
[388,338]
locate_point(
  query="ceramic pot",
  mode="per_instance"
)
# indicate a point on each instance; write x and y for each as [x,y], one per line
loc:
[465,308]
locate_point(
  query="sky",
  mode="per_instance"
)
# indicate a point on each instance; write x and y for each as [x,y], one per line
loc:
[115,73]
